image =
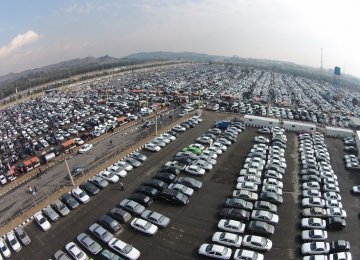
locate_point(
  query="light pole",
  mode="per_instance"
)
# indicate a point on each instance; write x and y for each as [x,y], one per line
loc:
[156,125]
[68,169]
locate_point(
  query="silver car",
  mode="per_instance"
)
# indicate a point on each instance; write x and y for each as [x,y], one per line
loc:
[91,245]
[50,213]
[61,255]
[156,218]
[22,235]
[101,232]
[61,208]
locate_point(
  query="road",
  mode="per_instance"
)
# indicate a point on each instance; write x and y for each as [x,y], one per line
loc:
[18,200]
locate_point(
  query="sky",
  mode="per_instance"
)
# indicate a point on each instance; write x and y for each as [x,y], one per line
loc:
[42,32]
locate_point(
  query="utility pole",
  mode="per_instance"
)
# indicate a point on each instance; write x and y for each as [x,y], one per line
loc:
[156,125]
[68,169]
[321,59]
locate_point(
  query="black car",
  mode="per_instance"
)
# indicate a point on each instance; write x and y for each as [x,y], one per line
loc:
[190,182]
[157,184]
[69,201]
[89,188]
[350,149]
[133,162]
[184,160]
[76,171]
[120,215]
[335,223]
[148,124]
[165,177]
[271,197]
[174,197]
[149,191]
[138,156]
[260,228]
[229,137]
[238,203]
[171,170]
[109,223]
[187,126]
[144,200]
[339,246]
[236,214]
[307,178]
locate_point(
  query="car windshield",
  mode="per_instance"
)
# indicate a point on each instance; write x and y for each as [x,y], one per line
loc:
[12,242]
[127,249]
[80,255]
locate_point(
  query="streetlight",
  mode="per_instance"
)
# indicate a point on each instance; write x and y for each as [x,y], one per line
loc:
[156,124]
[68,169]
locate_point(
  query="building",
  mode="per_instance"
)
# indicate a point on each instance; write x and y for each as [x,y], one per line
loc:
[299,127]
[258,121]
[354,123]
[338,132]
[357,139]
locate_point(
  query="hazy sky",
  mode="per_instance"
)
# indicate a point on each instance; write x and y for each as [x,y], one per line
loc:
[34,33]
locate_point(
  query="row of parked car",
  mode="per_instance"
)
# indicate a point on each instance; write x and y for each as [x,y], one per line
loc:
[252,210]
[321,201]
[145,221]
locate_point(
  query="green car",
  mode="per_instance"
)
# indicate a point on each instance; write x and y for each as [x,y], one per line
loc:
[194,150]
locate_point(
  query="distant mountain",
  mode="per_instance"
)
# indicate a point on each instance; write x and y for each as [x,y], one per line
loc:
[163,55]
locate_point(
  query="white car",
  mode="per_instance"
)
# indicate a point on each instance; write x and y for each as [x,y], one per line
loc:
[215,149]
[250,186]
[109,176]
[42,221]
[79,141]
[204,140]
[169,136]
[179,128]
[272,188]
[330,195]
[220,146]
[272,181]
[336,212]
[227,239]
[124,249]
[314,235]
[249,178]
[215,251]
[126,166]
[195,170]
[152,147]
[182,188]
[144,226]
[14,243]
[2,179]
[311,193]
[315,248]
[356,189]
[340,255]
[313,202]
[224,141]
[4,249]
[313,223]
[213,155]
[244,254]
[265,216]
[203,164]
[262,139]
[311,185]
[75,251]
[80,195]
[118,170]
[333,204]
[231,225]
[257,242]
[85,148]
[317,257]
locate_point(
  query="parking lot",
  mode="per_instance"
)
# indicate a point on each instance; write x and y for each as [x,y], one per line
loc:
[195,223]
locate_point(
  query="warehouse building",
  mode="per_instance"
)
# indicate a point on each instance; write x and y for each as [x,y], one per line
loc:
[258,121]
[338,132]
[299,127]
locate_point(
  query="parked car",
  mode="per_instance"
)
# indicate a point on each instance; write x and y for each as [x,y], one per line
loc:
[244,254]
[61,208]
[42,221]
[80,195]
[91,245]
[231,225]
[156,218]
[144,200]
[50,213]
[109,223]
[4,248]
[144,226]
[100,232]
[89,188]
[260,228]
[22,236]
[174,197]
[315,248]
[124,249]
[120,215]
[132,206]
[75,252]
[101,183]
[14,243]
[257,242]
[215,251]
